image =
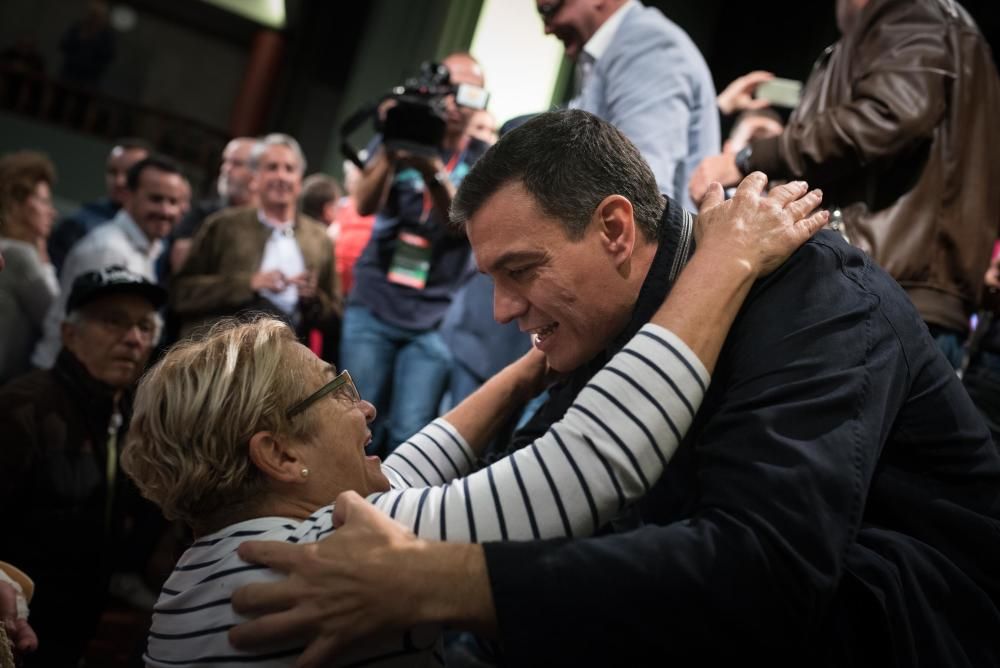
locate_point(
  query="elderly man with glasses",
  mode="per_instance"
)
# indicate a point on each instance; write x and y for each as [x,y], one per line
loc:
[61,493]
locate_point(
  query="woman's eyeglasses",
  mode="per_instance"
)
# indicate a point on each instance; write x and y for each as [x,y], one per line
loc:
[342,385]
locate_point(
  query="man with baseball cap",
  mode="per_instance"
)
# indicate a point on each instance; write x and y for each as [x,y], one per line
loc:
[60,487]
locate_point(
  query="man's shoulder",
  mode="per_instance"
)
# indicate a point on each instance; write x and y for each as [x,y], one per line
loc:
[825,258]
[99,238]
[310,224]
[826,286]
[643,36]
[908,22]
[644,23]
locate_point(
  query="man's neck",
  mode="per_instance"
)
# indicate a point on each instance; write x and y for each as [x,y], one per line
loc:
[151,240]
[279,213]
[642,260]
[637,269]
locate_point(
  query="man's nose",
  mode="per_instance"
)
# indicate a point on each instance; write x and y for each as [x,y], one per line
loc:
[171,210]
[507,305]
[134,336]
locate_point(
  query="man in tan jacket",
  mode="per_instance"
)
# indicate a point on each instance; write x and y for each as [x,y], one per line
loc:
[269,259]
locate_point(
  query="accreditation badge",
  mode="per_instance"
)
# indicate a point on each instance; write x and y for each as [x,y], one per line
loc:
[411,263]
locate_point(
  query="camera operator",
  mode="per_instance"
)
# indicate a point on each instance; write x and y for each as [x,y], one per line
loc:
[410,269]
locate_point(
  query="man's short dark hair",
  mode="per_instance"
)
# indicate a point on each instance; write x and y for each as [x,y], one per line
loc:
[160,162]
[317,191]
[569,161]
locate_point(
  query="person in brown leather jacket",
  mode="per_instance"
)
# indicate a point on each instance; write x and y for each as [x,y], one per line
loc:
[898,126]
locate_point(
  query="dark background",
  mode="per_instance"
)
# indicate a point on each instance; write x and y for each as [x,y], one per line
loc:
[189,59]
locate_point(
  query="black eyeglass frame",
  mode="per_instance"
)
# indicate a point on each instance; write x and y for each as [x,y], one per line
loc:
[343,378]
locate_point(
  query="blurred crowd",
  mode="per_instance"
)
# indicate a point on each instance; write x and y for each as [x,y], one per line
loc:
[898,126]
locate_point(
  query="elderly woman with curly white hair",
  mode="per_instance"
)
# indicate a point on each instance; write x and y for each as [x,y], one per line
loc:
[245,434]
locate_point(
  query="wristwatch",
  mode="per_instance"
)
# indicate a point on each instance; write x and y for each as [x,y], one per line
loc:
[743,159]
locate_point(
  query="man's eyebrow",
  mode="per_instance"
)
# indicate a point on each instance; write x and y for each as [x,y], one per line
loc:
[513,257]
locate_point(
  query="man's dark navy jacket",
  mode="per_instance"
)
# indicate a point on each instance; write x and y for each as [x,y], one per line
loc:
[836,501]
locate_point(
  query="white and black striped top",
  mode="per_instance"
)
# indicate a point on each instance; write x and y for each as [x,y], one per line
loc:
[607,451]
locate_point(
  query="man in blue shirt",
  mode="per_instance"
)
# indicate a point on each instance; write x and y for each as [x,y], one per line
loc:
[641,72]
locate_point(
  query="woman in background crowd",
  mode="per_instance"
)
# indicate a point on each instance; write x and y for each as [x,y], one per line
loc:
[29,285]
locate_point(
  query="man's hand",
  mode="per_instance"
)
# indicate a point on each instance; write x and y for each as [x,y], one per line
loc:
[751,128]
[341,589]
[21,635]
[756,230]
[307,285]
[738,95]
[272,280]
[427,165]
[716,168]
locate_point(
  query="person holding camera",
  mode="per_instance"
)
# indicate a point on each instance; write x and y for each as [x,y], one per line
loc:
[414,262]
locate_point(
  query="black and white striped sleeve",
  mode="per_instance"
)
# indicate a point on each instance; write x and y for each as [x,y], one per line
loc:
[433,456]
[607,451]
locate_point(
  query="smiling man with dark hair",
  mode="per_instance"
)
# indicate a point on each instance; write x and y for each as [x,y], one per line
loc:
[132,239]
[834,503]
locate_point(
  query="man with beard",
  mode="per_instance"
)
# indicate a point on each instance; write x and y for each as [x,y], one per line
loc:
[234,188]
[270,258]
[132,239]
[642,73]
[62,496]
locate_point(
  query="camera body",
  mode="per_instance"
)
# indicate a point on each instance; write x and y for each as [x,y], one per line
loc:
[417,119]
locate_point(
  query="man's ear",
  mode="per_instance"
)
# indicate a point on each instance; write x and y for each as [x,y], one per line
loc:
[276,458]
[616,225]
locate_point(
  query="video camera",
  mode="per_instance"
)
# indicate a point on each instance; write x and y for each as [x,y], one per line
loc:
[416,119]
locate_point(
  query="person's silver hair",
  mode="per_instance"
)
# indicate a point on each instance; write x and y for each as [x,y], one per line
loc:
[276,139]
[196,411]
